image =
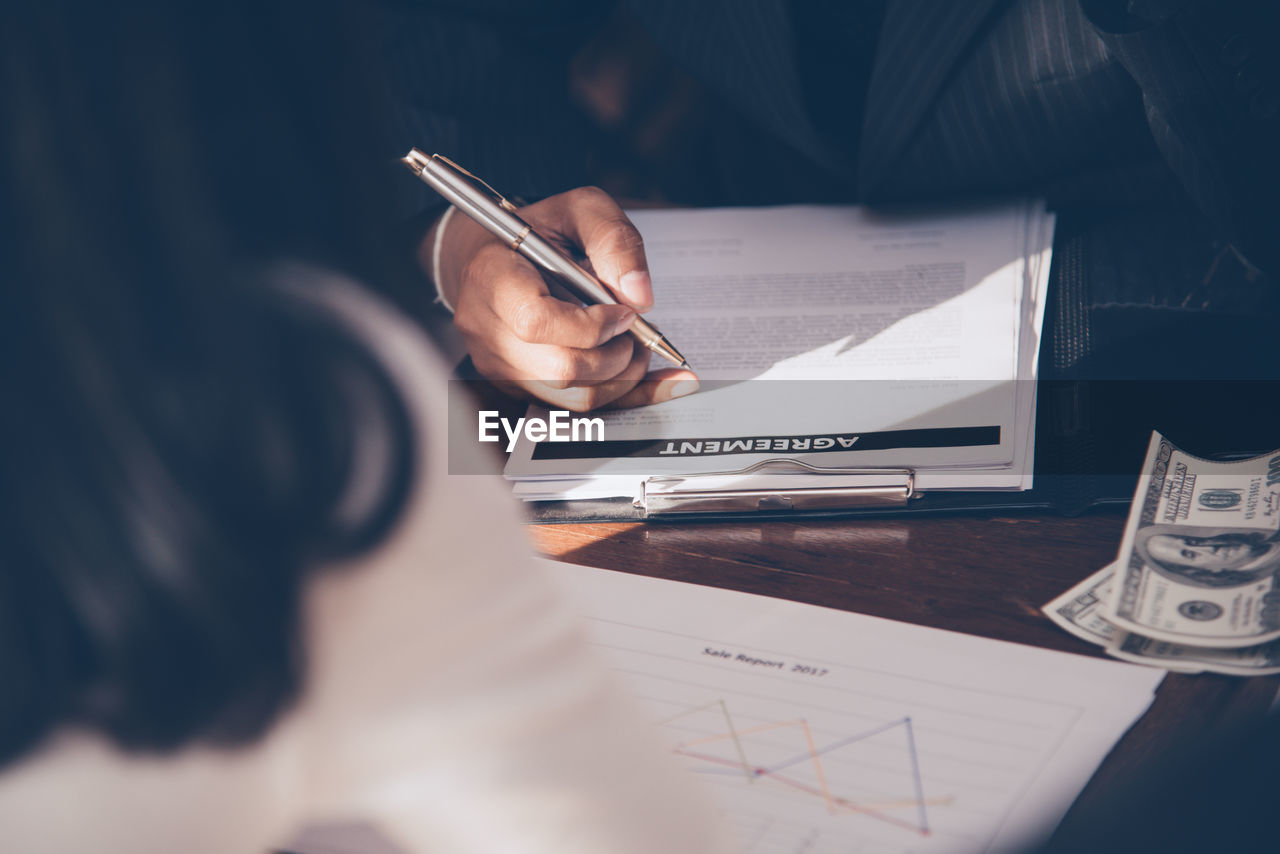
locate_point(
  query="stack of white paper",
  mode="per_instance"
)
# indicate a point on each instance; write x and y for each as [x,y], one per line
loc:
[839,336]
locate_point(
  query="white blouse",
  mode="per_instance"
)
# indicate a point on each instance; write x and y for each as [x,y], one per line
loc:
[451,702]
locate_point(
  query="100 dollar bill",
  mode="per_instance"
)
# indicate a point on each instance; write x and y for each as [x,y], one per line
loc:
[1080,612]
[1081,609]
[1200,560]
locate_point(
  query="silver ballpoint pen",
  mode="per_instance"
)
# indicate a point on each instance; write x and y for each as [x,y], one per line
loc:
[498,216]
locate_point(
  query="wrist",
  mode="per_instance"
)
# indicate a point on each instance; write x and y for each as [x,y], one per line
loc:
[458,246]
[432,247]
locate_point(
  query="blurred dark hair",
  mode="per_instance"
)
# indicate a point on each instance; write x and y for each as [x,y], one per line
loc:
[179,436]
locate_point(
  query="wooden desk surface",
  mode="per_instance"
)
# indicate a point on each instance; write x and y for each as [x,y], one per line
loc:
[982,574]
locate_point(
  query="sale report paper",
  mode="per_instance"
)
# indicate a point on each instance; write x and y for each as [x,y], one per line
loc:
[835,335]
[825,731]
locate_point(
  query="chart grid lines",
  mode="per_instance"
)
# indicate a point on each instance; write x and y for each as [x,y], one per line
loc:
[882,808]
[825,732]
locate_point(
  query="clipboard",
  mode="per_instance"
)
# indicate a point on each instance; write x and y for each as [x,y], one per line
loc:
[1064,495]
[1075,471]
[696,494]
[1089,441]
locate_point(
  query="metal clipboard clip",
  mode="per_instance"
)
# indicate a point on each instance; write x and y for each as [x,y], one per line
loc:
[748,490]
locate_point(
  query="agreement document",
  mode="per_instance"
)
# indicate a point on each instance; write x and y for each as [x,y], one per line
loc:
[837,335]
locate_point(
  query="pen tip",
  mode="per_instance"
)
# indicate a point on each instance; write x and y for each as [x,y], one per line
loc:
[684,363]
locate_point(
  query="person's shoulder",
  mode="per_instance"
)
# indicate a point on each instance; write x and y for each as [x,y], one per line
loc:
[399,343]
[385,329]
[78,793]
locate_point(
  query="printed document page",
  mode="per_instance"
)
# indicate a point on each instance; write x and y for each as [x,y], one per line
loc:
[822,731]
[835,334]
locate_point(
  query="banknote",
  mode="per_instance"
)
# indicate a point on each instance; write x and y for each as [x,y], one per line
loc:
[1258,660]
[1079,611]
[1200,560]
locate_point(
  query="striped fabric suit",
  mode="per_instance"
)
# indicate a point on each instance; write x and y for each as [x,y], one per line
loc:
[1036,102]
[1059,97]
[1074,99]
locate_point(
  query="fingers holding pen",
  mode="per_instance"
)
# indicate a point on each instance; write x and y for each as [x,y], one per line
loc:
[543,319]
[633,387]
[584,398]
[499,285]
[516,330]
[517,333]
[589,217]
[563,352]
[560,367]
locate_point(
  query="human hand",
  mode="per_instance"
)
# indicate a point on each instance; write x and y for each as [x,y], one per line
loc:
[532,344]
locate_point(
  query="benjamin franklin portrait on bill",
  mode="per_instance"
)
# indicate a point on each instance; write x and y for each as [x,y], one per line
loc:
[1227,559]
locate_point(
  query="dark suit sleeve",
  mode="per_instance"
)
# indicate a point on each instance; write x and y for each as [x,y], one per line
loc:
[1209,71]
[485,82]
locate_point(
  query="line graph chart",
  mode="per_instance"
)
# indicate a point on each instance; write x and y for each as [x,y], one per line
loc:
[816,768]
[804,771]
[820,731]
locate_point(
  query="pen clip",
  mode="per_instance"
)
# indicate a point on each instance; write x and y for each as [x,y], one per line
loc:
[497,197]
